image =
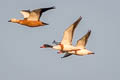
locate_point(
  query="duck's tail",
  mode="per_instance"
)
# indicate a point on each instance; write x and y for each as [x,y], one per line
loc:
[45,23]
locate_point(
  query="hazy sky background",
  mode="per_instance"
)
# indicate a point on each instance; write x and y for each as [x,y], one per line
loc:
[22,59]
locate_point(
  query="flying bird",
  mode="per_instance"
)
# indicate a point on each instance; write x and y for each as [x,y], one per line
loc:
[81,43]
[32,18]
[66,43]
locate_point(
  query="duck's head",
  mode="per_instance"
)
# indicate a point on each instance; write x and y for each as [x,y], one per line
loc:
[13,20]
[46,46]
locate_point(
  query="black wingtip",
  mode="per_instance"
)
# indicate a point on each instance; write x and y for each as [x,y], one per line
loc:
[89,31]
[80,18]
[26,10]
[53,7]
[62,57]
[53,42]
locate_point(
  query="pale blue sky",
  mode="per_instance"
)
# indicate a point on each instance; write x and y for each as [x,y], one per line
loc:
[22,59]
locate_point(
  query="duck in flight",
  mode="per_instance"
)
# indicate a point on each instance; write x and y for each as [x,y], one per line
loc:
[66,43]
[32,18]
[81,43]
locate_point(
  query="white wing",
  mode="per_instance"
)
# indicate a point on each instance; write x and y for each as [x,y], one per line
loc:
[25,13]
[68,33]
[81,43]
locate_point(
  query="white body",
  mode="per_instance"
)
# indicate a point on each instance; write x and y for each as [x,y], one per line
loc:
[66,48]
[81,52]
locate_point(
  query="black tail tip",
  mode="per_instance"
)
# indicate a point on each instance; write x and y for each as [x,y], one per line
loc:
[93,53]
[45,23]
[9,21]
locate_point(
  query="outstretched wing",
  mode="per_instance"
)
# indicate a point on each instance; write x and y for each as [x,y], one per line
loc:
[68,33]
[36,14]
[25,13]
[46,9]
[81,43]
